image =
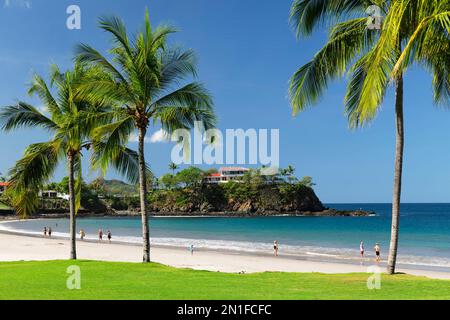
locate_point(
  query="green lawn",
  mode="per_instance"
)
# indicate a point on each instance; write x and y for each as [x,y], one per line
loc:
[105,280]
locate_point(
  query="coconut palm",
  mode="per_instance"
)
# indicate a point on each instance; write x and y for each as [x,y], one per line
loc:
[173,167]
[143,79]
[376,55]
[69,120]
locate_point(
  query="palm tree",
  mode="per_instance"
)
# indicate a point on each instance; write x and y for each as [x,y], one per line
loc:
[141,78]
[173,167]
[70,123]
[410,32]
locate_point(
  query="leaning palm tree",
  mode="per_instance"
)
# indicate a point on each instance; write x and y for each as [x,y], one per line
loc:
[376,52]
[70,122]
[142,80]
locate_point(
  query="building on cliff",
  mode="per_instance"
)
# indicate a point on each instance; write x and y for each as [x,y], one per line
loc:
[225,175]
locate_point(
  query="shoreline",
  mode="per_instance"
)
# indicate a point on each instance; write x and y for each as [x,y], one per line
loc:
[15,246]
[327,212]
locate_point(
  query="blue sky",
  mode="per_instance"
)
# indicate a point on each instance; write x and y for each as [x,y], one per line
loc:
[247,52]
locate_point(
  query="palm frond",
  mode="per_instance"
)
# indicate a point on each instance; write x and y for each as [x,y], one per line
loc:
[124,160]
[31,172]
[306,15]
[24,115]
[347,40]
[116,27]
[177,65]
[181,108]
[87,54]
[39,87]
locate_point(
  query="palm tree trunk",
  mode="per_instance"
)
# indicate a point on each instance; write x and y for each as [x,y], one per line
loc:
[73,250]
[143,196]
[400,140]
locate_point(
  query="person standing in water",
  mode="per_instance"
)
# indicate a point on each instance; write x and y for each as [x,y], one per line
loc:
[109,235]
[100,235]
[45,232]
[49,232]
[377,252]
[191,249]
[361,249]
[275,248]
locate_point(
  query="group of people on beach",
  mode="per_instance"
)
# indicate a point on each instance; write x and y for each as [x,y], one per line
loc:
[377,250]
[100,235]
[108,235]
[47,232]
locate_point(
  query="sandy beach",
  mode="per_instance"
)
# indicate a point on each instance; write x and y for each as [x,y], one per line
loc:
[15,247]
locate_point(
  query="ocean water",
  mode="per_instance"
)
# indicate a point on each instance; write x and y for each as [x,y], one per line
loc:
[424,233]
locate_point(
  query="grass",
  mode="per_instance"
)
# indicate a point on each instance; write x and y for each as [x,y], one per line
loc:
[108,280]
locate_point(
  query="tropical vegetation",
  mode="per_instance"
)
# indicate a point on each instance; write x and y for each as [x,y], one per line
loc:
[67,118]
[376,53]
[143,81]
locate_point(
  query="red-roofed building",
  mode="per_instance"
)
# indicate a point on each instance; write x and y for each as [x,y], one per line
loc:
[226,174]
[3,186]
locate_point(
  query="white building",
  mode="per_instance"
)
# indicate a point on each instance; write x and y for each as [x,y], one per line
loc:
[51,194]
[226,174]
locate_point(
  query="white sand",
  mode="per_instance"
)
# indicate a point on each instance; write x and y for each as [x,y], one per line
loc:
[19,247]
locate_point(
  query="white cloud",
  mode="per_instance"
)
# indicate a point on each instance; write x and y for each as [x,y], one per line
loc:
[42,109]
[157,137]
[17,3]
[160,136]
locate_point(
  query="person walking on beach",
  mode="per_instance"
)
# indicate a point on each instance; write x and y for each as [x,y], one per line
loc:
[45,232]
[377,252]
[109,235]
[361,249]
[49,232]
[275,248]
[100,235]
[82,234]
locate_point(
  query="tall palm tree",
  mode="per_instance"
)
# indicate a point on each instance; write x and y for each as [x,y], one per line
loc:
[411,32]
[71,125]
[143,80]
[173,167]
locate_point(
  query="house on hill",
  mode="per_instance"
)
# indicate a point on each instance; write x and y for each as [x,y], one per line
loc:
[225,175]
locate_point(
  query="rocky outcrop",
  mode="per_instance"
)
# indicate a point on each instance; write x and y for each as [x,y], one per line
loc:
[265,200]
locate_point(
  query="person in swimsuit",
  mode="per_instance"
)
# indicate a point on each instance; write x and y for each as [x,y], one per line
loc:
[49,232]
[191,248]
[361,249]
[82,234]
[377,251]
[100,234]
[45,232]
[275,248]
[109,235]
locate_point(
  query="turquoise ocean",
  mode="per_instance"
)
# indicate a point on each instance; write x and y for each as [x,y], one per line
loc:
[424,233]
